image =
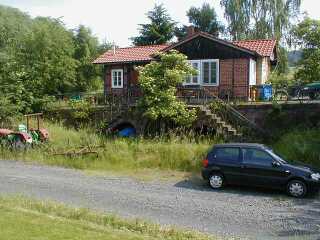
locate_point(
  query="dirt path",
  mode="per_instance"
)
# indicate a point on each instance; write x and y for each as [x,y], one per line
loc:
[237,212]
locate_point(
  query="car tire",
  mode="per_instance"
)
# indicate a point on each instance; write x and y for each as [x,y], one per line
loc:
[297,189]
[216,181]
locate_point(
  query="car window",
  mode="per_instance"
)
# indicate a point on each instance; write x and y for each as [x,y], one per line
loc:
[257,157]
[227,154]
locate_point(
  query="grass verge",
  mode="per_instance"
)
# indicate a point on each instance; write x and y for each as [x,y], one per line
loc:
[23,218]
[183,154]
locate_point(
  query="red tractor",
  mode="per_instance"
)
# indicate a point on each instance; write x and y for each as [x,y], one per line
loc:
[25,136]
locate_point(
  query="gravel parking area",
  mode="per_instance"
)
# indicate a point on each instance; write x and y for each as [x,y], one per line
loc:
[239,212]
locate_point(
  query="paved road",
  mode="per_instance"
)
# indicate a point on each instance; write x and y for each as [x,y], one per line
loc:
[238,212]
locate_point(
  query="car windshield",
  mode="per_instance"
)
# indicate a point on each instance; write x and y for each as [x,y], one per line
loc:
[276,156]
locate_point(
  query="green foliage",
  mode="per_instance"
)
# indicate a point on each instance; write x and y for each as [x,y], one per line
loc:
[300,145]
[158,82]
[47,58]
[86,49]
[126,156]
[307,36]
[281,80]
[260,18]
[160,30]
[40,57]
[8,111]
[238,17]
[81,110]
[203,19]
[24,218]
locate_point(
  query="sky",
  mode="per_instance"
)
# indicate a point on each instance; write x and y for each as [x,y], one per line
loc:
[118,20]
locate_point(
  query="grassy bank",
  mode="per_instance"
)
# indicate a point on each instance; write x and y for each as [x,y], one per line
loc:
[177,154]
[28,219]
[300,145]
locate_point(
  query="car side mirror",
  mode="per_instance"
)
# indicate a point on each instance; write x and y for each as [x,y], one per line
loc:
[276,164]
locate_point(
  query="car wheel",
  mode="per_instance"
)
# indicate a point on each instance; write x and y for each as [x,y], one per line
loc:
[216,181]
[297,188]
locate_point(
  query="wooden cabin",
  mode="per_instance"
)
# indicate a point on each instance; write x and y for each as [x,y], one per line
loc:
[225,69]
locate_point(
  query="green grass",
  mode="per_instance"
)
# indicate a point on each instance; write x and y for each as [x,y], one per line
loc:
[300,145]
[22,218]
[167,154]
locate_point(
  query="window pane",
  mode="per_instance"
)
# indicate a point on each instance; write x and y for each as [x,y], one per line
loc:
[213,77]
[227,154]
[205,72]
[119,78]
[196,76]
[257,157]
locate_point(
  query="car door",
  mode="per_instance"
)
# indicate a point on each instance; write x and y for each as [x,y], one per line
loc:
[259,168]
[228,159]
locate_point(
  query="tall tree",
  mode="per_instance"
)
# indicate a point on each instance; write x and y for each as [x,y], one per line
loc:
[49,57]
[307,36]
[160,29]
[237,13]
[86,49]
[254,19]
[203,19]
[260,18]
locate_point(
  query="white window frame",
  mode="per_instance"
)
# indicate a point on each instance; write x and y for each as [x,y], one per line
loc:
[112,80]
[217,72]
[192,76]
[253,72]
[200,75]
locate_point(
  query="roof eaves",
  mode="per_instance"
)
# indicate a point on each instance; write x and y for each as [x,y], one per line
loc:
[122,62]
[209,36]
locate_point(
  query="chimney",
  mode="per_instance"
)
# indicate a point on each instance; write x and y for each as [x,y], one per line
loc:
[190,31]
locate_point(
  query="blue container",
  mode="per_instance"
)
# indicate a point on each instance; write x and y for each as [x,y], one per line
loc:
[265,92]
[127,132]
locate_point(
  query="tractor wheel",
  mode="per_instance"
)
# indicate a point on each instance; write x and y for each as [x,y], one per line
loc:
[17,143]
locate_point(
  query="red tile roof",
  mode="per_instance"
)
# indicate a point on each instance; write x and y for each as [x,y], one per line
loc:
[130,54]
[263,47]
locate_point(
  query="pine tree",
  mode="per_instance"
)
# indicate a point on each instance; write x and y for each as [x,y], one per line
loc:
[160,30]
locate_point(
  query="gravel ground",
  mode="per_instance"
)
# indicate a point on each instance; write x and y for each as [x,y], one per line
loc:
[253,213]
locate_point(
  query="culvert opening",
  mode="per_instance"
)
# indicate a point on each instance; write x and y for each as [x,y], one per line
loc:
[125,129]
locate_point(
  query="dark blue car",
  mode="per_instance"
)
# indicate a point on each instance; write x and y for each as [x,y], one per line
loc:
[257,165]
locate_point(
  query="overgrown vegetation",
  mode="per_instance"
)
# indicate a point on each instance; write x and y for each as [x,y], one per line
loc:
[41,57]
[158,82]
[307,35]
[301,145]
[23,218]
[120,155]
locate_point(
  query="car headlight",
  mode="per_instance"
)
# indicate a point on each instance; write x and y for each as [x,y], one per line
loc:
[315,176]
[306,88]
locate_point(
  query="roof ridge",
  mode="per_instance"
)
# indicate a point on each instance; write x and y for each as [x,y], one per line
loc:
[254,40]
[144,46]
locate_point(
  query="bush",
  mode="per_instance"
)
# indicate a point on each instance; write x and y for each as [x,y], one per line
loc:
[300,145]
[8,111]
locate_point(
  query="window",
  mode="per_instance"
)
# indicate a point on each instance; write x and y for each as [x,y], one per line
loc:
[208,73]
[256,157]
[253,72]
[230,155]
[117,78]
[194,79]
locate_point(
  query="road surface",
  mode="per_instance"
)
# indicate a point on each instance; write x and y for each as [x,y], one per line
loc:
[256,214]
